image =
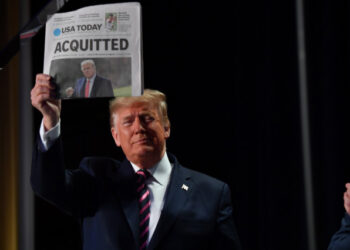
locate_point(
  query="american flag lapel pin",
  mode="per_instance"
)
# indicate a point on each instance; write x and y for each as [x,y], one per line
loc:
[184,187]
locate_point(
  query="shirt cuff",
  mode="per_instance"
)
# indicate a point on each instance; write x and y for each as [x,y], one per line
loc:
[50,136]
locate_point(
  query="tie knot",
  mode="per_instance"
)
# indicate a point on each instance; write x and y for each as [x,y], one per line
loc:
[142,175]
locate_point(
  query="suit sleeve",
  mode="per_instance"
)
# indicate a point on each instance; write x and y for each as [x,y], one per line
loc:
[70,191]
[226,236]
[102,88]
[76,92]
[107,90]
[341,239]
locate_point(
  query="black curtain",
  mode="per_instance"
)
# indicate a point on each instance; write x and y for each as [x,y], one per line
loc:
[328,64]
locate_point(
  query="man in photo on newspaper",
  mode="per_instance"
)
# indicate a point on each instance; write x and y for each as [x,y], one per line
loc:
[149,200]
[91,85]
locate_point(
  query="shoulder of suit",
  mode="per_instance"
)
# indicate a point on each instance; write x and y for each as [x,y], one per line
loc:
[100,78]
[202,179]
[195,176]
[81,79]
[99,166]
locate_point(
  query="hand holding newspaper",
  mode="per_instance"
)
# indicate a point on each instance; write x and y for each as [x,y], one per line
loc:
[95,51]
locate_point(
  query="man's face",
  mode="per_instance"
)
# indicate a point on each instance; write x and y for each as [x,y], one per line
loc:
[88,70]
[140,132]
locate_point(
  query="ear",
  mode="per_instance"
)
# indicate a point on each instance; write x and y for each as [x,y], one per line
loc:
[115,136]
[166,132]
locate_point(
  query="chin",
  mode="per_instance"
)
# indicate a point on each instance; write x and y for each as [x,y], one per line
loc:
[146,152]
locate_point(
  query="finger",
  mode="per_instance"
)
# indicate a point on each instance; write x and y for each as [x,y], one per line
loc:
[346,199]
[45,83]
[42,76]
[347,185]
[44,80]
[347,203]
[40,95]
[43,87]
[39,100]
[38,91]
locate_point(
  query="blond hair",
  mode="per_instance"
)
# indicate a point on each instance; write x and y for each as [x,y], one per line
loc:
[88,61]
[154,97]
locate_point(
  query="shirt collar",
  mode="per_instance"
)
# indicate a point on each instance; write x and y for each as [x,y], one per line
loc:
[160,171]
[92,79]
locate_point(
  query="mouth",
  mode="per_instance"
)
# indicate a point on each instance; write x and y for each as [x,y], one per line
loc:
[141,141]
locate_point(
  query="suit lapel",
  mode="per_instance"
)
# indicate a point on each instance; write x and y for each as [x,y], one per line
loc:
[82,87]
[126,191]
[176,197]
[93,92]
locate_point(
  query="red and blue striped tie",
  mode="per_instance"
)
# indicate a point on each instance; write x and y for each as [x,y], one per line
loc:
[144,205]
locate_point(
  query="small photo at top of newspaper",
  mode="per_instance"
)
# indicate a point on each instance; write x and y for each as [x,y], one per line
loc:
[95,51]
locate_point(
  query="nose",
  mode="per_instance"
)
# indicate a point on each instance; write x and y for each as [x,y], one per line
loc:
[139,126]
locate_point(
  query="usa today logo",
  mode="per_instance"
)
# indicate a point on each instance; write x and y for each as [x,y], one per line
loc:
[57,32]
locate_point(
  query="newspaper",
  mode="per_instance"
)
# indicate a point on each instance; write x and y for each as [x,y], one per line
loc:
[95,51]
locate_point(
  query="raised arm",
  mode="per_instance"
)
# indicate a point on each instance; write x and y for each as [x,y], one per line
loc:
[65,189]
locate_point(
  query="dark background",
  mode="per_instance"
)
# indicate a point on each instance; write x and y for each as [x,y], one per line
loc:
[230,72]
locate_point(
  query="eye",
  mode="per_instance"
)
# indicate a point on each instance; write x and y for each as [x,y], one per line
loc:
[127,123]
[148,118]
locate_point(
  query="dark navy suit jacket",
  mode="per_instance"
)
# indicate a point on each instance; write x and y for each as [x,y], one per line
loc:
[102,88]
[341,239]
[101,194]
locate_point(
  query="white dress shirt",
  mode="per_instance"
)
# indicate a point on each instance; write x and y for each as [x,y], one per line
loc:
[157,185]
[49,137]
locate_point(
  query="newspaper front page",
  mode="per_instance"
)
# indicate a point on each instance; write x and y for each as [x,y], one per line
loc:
[95,51]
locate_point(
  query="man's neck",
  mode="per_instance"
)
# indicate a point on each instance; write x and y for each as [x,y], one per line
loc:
[147,161]
[91,78]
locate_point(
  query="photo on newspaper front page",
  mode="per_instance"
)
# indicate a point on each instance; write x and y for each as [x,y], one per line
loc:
[95,51]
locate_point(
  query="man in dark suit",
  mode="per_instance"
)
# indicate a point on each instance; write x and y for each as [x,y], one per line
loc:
[147,201]
[341,239]
[91,85]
